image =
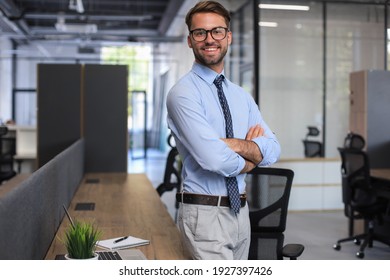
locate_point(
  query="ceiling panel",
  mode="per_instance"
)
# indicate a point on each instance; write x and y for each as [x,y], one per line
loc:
[95,20]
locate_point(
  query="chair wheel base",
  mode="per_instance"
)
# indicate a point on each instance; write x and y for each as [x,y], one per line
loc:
[357,241]
[360,255]
[337,247]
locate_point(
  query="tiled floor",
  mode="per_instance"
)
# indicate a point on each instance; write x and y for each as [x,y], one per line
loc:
[317,231]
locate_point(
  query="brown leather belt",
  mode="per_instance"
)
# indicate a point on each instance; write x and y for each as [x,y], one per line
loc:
[202,199]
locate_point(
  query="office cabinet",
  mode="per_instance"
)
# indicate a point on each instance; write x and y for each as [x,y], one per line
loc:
[370,113]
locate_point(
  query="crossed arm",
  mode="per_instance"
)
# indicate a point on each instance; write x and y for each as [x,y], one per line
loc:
[247,148]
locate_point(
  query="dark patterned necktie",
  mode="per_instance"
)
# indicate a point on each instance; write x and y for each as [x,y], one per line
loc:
[231,182]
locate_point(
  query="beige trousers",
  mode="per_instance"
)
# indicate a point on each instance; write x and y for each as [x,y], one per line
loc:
[215,233]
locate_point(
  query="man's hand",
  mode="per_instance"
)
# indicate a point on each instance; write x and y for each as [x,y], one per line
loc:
[247,148]
[254,132]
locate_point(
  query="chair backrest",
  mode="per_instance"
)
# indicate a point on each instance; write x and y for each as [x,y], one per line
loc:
[312,147]
[355,175]
[6,170]
[354,141]
[172,174]
[8,146]
[268,192]
[7,152]
[7,143]
[312,131]
[3,130]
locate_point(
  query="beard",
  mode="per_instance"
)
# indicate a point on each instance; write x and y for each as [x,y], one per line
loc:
[210,60]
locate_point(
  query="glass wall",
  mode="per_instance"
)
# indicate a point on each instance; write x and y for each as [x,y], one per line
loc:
[291,72]
[355,41]
[305,58]
[242,48]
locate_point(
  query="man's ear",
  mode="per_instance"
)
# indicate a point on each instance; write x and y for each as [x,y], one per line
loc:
[230,37]
[189,42]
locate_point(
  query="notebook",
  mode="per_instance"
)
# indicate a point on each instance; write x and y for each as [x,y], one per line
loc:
[121,242]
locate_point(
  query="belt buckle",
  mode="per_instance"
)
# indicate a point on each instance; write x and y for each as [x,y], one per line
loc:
[219,201]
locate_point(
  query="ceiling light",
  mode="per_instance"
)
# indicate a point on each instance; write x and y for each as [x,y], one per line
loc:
[76,28]
[84,28]
[268,24]
[76,5]
[284,7]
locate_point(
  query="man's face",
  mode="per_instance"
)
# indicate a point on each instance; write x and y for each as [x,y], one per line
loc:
[209,52]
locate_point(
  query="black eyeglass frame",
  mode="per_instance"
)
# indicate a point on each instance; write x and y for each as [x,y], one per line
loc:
[209,31]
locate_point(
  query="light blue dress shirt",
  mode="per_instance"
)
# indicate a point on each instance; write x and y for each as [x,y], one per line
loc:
[197,123]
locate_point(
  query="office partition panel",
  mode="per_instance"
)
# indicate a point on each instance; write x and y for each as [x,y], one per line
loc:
[59,109]
[88,101]
[105,118]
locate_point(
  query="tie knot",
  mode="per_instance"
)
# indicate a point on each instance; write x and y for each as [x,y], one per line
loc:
[218,81]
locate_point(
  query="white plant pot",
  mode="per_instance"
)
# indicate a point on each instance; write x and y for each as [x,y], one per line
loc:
[95,257]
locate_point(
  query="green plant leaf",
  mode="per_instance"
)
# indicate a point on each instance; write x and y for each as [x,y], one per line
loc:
[80,240]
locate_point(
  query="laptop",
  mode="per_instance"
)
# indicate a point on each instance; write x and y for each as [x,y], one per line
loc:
[123,254]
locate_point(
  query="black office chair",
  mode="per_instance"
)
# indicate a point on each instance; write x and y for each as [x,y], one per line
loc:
[7,152]
[352,141]
[268,191]
[172,174]
[360,199]
[312,148]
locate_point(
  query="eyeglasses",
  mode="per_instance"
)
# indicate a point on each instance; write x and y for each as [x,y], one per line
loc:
[218,33]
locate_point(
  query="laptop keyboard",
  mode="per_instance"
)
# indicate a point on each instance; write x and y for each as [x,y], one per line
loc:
[109,255]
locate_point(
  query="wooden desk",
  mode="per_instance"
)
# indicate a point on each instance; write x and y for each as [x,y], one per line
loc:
[12,183]
[384,178]
[381,173]
[125,204]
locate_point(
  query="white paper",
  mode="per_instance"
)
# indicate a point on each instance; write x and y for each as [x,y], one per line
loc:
[129,242]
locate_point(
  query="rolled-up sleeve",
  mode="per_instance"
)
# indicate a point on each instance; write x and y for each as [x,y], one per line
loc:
[269,148]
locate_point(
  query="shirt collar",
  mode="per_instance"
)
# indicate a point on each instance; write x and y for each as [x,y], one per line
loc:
[206,73]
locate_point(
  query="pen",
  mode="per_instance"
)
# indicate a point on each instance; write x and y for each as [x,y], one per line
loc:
[120,239]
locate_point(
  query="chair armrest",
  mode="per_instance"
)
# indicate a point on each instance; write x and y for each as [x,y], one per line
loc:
[292,251]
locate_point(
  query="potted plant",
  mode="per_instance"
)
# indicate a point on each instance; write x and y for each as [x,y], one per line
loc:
[80,240]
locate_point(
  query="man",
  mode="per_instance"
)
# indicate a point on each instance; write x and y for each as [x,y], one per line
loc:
[220,135]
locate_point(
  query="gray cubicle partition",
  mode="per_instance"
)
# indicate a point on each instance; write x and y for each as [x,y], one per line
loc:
[105,118]
[31,213]
[59,109]
[88,101]
[369,113]
[377,118]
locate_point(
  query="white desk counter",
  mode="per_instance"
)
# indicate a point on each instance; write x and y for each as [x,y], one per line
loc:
[26,147]
[316,184]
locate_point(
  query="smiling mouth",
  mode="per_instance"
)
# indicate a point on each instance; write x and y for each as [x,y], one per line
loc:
[210,49]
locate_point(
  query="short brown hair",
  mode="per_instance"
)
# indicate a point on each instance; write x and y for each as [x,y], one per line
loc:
[208,7]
